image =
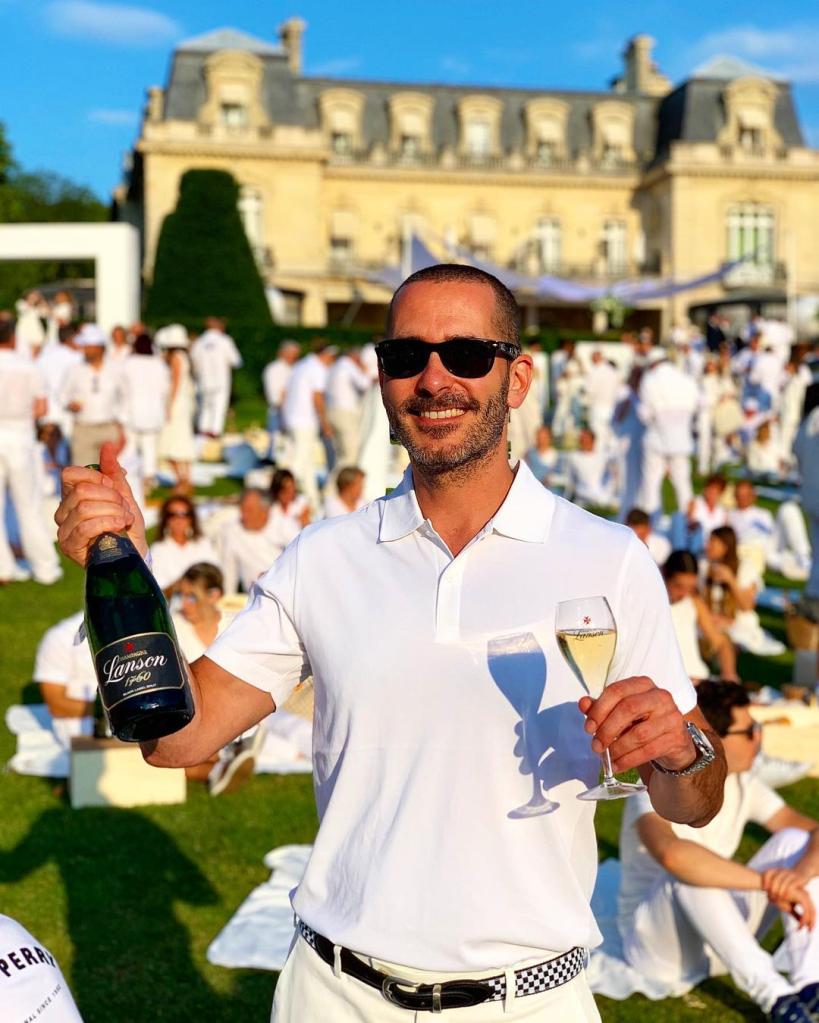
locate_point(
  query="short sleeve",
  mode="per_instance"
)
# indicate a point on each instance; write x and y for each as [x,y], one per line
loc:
[52,662]
[763,802]
[82,681]
[646,641]
[261,645]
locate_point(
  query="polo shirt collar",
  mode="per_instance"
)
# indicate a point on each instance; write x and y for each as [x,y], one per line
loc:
[526,513]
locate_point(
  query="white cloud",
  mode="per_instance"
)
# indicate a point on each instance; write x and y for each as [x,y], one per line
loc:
[114,118]
[120,24]
[452,65]
[792,51]
[336,66]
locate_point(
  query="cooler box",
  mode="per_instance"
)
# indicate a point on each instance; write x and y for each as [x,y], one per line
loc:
[107,772]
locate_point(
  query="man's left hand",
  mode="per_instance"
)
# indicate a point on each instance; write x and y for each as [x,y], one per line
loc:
[637,721]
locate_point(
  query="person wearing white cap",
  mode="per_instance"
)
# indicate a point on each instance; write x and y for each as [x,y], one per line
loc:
[668,401]
[214,355]
[95,392]
[176,441]
[24,400]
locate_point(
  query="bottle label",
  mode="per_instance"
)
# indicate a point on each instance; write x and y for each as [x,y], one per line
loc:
[138,664]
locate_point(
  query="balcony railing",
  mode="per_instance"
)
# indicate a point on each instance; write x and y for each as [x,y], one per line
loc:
[512,162]
[756,275]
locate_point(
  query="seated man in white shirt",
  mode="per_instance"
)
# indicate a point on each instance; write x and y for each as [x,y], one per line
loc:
[250,546]
[64,670]
[349,496]
[588,474]
[783,539]
[659,546]
[706,511]
[681,889]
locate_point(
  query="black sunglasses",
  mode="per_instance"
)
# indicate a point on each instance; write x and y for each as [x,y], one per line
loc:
[753,729]
[467,357]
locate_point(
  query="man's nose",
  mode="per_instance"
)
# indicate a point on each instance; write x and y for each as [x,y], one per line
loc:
[434,376]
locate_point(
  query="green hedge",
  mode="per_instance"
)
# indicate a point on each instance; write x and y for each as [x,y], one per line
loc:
[204,263]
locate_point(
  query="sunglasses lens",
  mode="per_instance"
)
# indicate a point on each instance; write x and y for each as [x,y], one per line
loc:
[462,357]
[402,359]
[467,358]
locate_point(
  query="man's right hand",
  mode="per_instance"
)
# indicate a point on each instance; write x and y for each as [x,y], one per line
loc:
[94,503]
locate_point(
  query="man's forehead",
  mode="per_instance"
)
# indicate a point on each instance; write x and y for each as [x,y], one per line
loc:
[448,307]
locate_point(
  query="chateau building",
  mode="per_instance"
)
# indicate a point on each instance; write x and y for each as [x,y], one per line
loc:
[645,179]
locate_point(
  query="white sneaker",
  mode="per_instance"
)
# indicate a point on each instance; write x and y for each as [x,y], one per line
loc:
[18,575]
[236,763]
[50,579]
[778,772]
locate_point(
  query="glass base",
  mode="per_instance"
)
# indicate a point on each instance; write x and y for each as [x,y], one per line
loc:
[534,809]
[613,790]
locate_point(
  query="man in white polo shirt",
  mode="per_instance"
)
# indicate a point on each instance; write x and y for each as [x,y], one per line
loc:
[94,391]
[305,417]
[427,622]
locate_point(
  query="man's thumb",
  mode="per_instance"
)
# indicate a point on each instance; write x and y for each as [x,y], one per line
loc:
[109,465]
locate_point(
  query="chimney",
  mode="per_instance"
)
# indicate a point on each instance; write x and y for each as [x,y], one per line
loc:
[641,73]
[290,33]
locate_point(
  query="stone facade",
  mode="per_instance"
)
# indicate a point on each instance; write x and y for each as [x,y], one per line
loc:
[644,179]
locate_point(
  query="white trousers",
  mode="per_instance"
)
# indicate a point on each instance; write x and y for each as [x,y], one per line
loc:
[310,991]
[672,927]
[704,438]
[790,545]
[144,444]
[213,406]
[346,436]
[19,472]
[303,463]
[655,466]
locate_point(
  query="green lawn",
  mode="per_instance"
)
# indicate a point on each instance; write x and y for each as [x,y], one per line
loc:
[128,900]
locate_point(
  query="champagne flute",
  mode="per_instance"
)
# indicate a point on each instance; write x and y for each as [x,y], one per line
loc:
[587,637]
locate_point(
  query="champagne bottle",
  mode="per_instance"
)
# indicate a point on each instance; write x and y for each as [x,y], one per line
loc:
[141,676]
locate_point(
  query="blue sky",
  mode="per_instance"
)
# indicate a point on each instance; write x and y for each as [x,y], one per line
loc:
[75,71]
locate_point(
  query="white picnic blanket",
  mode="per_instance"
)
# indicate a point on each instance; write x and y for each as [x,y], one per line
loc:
[40,752]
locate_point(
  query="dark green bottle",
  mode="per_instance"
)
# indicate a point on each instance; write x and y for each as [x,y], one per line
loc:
[142,680]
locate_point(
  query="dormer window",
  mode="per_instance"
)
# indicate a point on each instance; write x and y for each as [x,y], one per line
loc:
[546,152]
[342,142]
[340,116]
[234,116]
[478,139]
[410,146]
[750,139]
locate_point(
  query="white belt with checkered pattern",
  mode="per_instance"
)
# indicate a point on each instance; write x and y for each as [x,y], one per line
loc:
[530,981]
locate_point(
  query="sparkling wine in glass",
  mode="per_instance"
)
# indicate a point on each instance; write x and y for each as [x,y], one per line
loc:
[587,637]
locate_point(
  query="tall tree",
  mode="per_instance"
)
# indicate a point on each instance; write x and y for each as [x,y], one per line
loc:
[204,264]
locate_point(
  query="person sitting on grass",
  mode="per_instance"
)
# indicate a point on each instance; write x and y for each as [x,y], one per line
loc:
[732,584]
[681,889]
[349,495]
[198,622]
[589,482]
[659,546]
[693,620]
[179,543]
[64,671]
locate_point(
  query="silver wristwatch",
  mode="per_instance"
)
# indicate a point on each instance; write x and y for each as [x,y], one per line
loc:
[705,754]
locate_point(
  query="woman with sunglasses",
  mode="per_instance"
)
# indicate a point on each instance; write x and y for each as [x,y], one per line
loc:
[180,542]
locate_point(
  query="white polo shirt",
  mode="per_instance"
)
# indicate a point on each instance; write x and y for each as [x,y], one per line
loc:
[668,401]
[309,377]
[60,659]
[21,384]
[423,667]
[346,385]
[100,393]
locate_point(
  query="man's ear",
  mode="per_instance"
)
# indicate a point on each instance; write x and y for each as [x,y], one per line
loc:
[520,380]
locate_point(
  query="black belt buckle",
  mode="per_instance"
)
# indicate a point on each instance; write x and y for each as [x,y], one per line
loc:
[434,997]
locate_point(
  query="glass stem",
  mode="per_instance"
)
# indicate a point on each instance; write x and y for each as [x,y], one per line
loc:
[608,774]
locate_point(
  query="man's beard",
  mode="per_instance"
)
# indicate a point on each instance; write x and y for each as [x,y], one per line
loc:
[462,456]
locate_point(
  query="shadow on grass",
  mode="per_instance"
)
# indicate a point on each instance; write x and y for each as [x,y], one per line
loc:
[722,991]
[123,878]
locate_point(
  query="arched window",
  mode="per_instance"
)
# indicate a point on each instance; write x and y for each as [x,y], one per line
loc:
[751,233]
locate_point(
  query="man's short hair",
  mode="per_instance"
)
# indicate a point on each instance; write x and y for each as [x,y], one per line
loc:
[637,517]
[204,572]
[263,495]
[348,475]
[66,332]
[507,311]
[7,329]
[715,480]
[717,701]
